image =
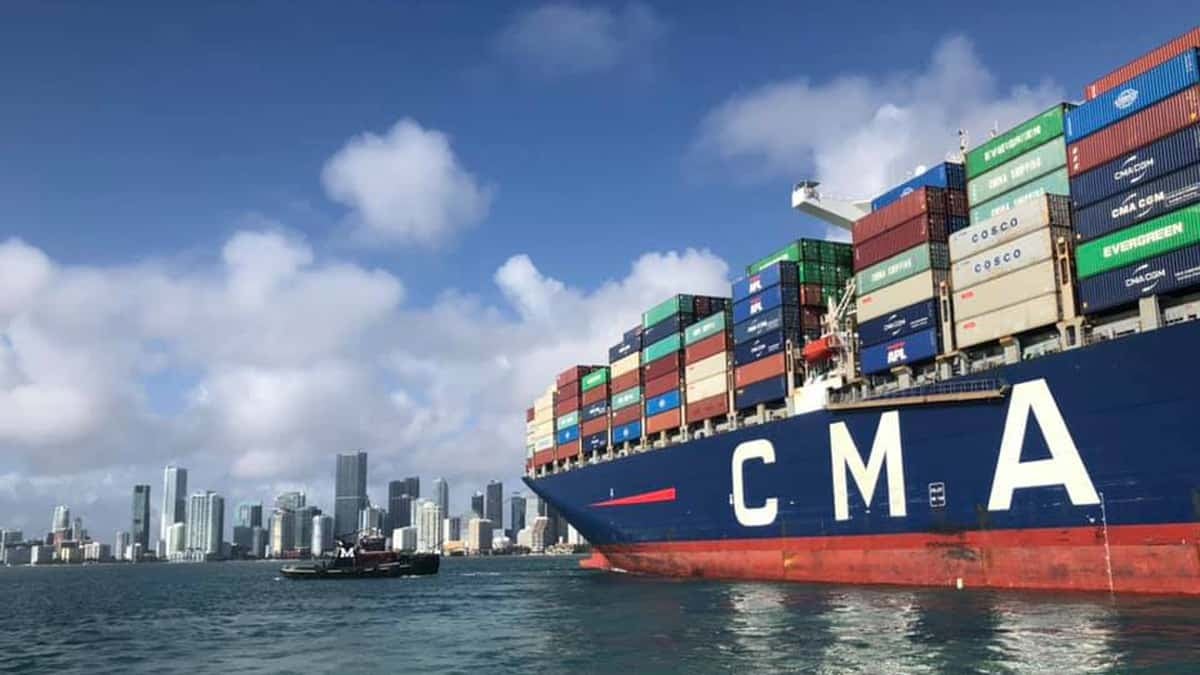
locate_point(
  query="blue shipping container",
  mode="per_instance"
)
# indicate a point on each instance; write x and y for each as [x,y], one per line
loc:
[567,435]
[596,442]
[1136,168]
[633,332]
[658,404]
[627,432]
[783,272]
[594,410]
[904,321]
[787,318]
[1124,286]
[944,175]
[763,346]
[1150,200]
[1137,94]
[771,389]
[913,348]
[769,299]
[665,328]
[630,345]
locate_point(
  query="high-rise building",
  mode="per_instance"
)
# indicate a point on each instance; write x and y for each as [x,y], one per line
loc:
[350,493]
[205,525]
[322,534]
[61,522]
[258,542]
[429,527]
[177,542]
[399,505]
[477,504]
[479,535]
[9,537]
[452,529]
[517,522]
[302,528]
[412,486]
[494,504]
[290,501]
[121,545]
[141,516]
[249,515]
[174,500]
[283,532]
[540,535]
[371,520]
[404,539]
[441,495]
[77,531]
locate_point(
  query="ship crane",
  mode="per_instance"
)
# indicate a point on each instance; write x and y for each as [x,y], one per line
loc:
[806,198]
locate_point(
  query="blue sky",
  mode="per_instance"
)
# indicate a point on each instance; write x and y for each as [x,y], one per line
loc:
[172,173]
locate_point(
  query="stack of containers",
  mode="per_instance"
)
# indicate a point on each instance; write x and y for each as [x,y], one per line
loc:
[822,269]
[540,429]
[768,320]
[662,362]
[901,261]
[1018,166]
[1134,151]
[708,356]
[567,408]
[625,385]
[593,417]
[1005,272]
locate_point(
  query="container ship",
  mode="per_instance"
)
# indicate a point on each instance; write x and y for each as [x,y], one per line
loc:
[995,384]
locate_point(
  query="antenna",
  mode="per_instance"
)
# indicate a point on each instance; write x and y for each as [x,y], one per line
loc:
[964,142]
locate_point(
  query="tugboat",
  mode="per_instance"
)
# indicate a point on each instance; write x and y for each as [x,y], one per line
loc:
[365,559]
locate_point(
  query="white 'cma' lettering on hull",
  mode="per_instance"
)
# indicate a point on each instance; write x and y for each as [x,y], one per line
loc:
[1064,467]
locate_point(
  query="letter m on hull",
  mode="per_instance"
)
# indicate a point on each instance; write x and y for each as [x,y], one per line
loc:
[846,458]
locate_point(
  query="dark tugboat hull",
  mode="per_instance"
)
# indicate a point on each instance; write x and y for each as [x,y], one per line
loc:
[409,565]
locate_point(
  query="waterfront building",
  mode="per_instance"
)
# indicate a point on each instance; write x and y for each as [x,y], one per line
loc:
[517,521]
[77,531]
[541,534]
[242,535]
[494,504]
[479,536]
[174,501]
[40,554]
[429,527]
[371,519]
[141,515]
[292,500]
[477,504]
[61,521]
[249,515]
[258,542]
[441,495]
[404,539]
[94,551]
[17,554]
[121,544]
[205,525]
[322,534]
[10,537]
[399,505]
[177,542]
[302,527]
[452,529]
[70,555]
[350,492]
[412,487]
[282,532]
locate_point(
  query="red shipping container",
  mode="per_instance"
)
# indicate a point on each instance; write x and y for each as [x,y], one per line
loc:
[595,394]
[570,390]
[543,458]
[529,414]
[1145,62]
[929,227]
[713,344]
[667,364]
[1159,120]
[567,450]
[661,385]
[707,408]
[627,415]
[570,375]
[593,426]
[565,406]
[663,421]
[627,380]
[810,294]
[772,366]
[924,200]
[810,318]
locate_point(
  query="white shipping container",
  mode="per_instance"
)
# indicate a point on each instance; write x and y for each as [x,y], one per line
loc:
[543,428]
[1011,320]
[543,414]
[624,365]
[546,400]
[1009,289]
[543,443]
[1028,217]
[1004,259]
[900,294]
[708,387]
[717,363]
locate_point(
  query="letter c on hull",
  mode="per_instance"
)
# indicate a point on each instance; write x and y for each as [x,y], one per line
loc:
[752,516]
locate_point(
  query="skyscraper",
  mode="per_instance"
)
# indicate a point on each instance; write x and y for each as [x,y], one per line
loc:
[441,495]
[205,524]
[249,514]
[477,504]
[399,505]
[371,520]
[429,527]
[283,532]
[350,492]
[302,527]
[174,500]
[61,522]
[121,545]
[412,485]
[141,516]
[290,501]
[517,523]
[494,504]
[322,534]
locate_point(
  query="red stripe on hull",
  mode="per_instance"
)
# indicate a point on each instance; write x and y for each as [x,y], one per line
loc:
[1143,559]
[658,496]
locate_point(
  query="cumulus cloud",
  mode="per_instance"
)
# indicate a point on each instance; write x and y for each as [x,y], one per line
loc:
[562,39]
[406,186]
[859,134]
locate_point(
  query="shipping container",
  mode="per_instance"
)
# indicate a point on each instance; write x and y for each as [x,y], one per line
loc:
[1133,96]
[627,432]
[672,344]
[529,414]
[707,387]
[1145,202]
[570,375]
[713,365]
[626,364]
[597,442]
[1158,121]
[543,428]
[923,201]
[908,292]
[799,250]
[1168,273]
[667,364]
[628,380]
[593,426]
[1143,165]
[566,405]
[626,415]
[904,321]
[666,328]
[774,389]
[543,458]
[546,400]
[563,436]
[568,420]
[945,175]
[594,394]
[565,451]
[1011,256]
[705,328]
[811,272]
[661,385]
[776,296]
[910,349]
[1143,63]
[1135,244]
[1054,183]
[679,304]
[786,318]
[1016,141]
[782,272]
[626,347]
[707,305]
[707,408]
[1018,171]
[902,266]
[593,410]
[625,398]
[664,421]
[705,348]
[811,294]
[1009,289]
[662,403]
[765,345]
[771,366]
[929,227]
[597,377]
[1011,320]
[544,443]
[1032,215]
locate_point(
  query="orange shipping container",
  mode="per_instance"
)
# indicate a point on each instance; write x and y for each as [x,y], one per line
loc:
[626,415]
[667,364]
[568,450]
[661,385]
[595,394]
[627,381]
[713,406]
[663,421]
[772,366]
[543,458]
[594,426]
[705,348]
[565,406]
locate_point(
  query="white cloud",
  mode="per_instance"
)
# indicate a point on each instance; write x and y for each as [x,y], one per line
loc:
[859,134]
[561,39]
[406,186]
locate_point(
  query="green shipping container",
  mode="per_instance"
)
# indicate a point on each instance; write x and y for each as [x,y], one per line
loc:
[809,272]
[568,420]
[594,379]
[801,250]
[896,268]
[663,347]
[1134,244]
[1055,183]
[1016,141]
[704,328]
[830,293]
[1018,171]
[657,313]
[626,398]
